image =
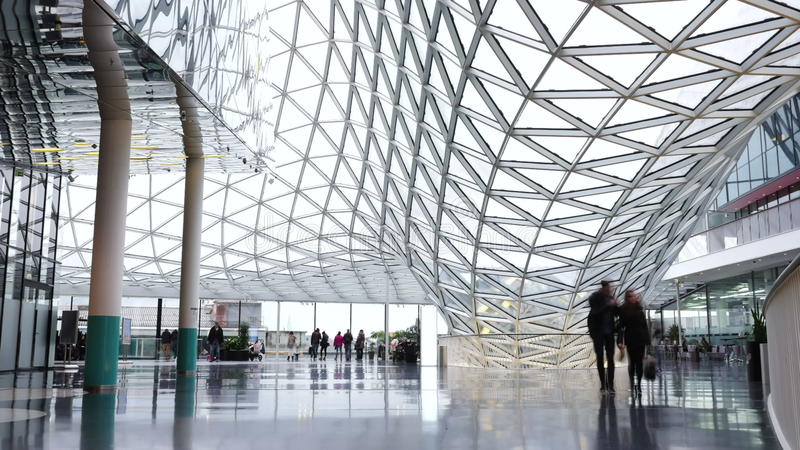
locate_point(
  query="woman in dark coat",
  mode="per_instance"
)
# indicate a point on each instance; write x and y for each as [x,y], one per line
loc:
[633,334]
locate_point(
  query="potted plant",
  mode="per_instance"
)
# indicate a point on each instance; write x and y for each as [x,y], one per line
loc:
[235,347]
[371,351]
[757,348]
[674,334]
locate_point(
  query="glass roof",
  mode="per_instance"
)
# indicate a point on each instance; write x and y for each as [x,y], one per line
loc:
[500,157]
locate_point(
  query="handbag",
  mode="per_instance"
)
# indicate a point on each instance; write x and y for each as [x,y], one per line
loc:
[650,367]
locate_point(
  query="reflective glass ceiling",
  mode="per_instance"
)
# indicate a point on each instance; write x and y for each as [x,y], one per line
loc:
[49,117]
[499,157]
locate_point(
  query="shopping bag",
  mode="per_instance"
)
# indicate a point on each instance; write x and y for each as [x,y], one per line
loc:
[650,367]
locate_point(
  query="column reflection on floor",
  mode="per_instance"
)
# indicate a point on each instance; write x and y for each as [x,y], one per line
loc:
[185,393]
[98,413]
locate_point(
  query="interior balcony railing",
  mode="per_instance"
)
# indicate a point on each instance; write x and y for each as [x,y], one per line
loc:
[779,219]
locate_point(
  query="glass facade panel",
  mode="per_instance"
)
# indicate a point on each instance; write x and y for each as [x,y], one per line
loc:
[29,206]
[773,150]
[724,315]
[694,317]
[368,317]
[333,317]
[298,318]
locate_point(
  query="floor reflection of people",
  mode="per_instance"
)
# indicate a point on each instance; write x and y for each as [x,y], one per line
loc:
[323,376]
[214,382]
[607,432]
[360,376]
[640,434]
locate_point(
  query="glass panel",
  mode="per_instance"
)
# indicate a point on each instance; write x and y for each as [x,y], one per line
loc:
[333,318]
[298,318]
[368,317]
[730,301]
[694,318]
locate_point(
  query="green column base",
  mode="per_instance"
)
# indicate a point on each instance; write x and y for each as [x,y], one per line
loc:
[102,351]
[187,349]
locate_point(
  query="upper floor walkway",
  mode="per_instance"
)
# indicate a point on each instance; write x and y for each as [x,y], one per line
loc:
[764,239]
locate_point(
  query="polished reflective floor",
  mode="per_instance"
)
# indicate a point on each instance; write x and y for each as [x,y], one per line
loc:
[329,405]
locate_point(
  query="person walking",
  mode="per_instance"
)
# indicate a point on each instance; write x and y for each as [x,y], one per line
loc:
[315,338]
[634,334]
[291,344]
[215,340]
[338,342]
[602,312]
[360,345]
[166,344]
[175,343]
[348,341]
[323,346]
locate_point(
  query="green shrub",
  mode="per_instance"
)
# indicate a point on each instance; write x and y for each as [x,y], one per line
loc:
[239,342]
[759,325]
[674,332]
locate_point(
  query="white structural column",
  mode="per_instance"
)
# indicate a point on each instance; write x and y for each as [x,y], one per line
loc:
[192,230]
[105,292]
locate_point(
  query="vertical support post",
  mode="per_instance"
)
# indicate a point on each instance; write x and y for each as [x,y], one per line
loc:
[386,321]
[278,332]
[159,308]
[315,316]
[188,319]
[678,309]
[708,313]
[351,318]
[200,339]
[105,291]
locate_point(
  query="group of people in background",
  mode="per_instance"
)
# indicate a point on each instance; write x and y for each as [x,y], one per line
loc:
[320,341]
[169,344]
[607,318]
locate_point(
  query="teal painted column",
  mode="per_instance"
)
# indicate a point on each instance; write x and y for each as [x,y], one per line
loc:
[192,230]
[113,170]
[102,351]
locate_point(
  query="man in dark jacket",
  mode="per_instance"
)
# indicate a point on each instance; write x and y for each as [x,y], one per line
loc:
[166,344]
[348,342]
[315,338]
[603,311]
[215,339]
